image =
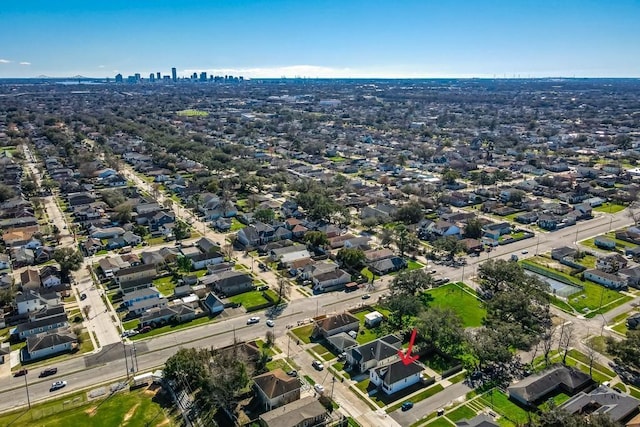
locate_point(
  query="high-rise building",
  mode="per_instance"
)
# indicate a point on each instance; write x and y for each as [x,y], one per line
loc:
[118,78]
[152,77]
[158,76]
[174,74]
[138,77]
[203,76]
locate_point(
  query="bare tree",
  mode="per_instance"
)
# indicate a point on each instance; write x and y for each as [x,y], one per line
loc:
[284,289]
[566,339]
[546,342]
[227,250]
[270,337]
[86,309]
[592,355]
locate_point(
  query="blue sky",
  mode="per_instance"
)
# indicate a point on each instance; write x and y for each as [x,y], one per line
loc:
[322,38]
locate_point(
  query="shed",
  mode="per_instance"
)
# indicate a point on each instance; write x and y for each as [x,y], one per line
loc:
[373,319]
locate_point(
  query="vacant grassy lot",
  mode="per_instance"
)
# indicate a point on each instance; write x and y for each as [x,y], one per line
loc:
[608,207]
[414,265]
[165,285]
[502,405]
[138,408]
[249,299]
[461,299]
[303,333]
[236,225]
[172,328]
[461,413]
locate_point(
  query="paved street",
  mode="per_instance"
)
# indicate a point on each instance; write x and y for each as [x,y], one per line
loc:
[154,351]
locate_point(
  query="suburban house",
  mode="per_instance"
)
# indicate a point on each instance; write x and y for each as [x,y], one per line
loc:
[396,376]
[33,300]
[305,412]
[536,388]
[331,281]
[482,420]
[106,233]
[604,242]
[202,260]
[231,282]
[50,276]
[340,342]
[43,320]
[387,265]
[111,265]
[141,305]
[164,314]
[48,344]
[609,280]
[611,263]
[375,255]
[633,322]
[213,304]
[620,407]
[316,268]
[207,245]
[289,254]
[375,353]
[276,388]
[142,271]
[133,285]
[30,279]
[332,325]
[256,234]
[128,300]
[631,276]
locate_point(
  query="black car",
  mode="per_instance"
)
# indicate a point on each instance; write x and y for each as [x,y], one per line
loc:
[48,372]
[292,373]
[83,297]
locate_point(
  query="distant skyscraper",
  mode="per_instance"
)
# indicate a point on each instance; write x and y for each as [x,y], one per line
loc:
[138,77]
[203,76]
[158,75]
[174,74]
[152,77]
[118,78]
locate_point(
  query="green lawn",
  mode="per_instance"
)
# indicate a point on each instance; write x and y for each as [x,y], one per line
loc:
[440,422]
[460,298]
[414,265]
[609,207]
[367,273]
[500,403]
[172,328]
[424,394]
[165,285]
[303,333]
[249,299]
[236,225]
[134,409]
[461,413]
[279,363]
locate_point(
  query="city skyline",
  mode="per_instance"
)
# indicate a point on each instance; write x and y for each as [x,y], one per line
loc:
[355,39]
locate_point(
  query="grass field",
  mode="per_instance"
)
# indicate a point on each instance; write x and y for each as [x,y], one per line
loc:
[165,285]
[460,298]
[236,225]
[250,299]
[461,413]
[502,405]
[303,333]
[414,265]
[192,113]
[608,207]
[172,328]
[134,409]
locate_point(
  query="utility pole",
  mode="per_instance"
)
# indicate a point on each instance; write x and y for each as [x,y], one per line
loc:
[126,362]
[333,383]
[26,386]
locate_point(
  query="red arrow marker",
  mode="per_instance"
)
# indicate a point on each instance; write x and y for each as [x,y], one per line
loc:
[407,358]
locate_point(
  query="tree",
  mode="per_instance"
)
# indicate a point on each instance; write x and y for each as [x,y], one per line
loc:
[410,213]
[69,260]
[450,245]
[184,263]
[86,310]
[386,237]
[122,213]
[473,230]
[442,329]
[626,351]
[565,340]
[403,310]
[6,192]
[181,230]
[6,296]
[284,289]
[188,366]
[449,176]
[265,215]
[405,241]
[351,257]
[410,282]
[316,238]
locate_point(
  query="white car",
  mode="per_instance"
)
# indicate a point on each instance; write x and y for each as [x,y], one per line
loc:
[318,365]
[252,320]
[525,252]
[271,323]
[319,388]
[57,385]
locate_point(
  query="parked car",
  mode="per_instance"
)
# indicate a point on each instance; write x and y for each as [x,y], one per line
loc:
[262,288]
[145,329]
[20,373]
[83,297]
[252,320]
[48,372]
[319,388]
[58,385]
[407,405]
[271,323]
[525,252]
[317,365]
[292,373]
[366,296]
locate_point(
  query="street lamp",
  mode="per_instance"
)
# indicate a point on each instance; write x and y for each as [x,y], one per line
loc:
[26,386]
